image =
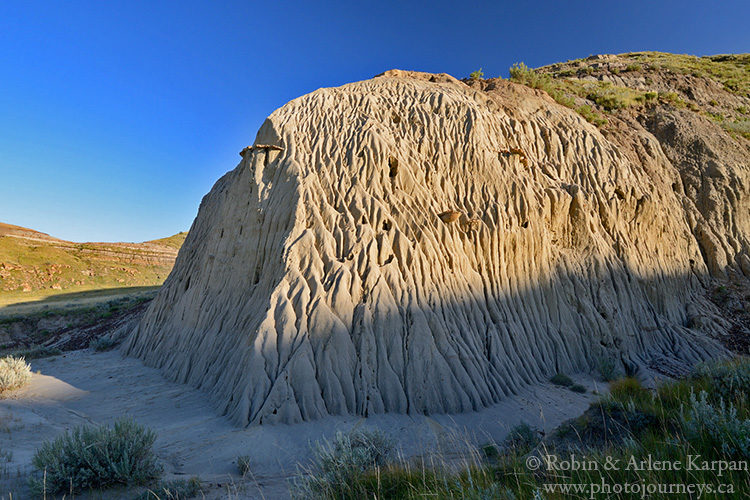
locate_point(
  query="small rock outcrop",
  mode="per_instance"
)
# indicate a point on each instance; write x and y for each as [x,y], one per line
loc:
[411,244]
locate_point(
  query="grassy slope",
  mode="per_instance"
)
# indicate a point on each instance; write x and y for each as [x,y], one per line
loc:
[175,241]
[33,269]
[582,84]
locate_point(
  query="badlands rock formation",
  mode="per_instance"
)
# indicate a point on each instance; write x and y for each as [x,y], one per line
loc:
[412,244]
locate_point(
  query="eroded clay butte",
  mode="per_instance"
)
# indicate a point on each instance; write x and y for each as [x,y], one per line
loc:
[413,245]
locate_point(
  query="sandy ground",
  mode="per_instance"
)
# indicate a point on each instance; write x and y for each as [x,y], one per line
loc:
[193,440]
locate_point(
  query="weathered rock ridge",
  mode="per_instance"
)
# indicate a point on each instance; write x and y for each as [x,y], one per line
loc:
[412,244]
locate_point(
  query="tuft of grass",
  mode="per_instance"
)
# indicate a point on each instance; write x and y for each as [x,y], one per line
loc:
[177,489]
[339,465]
[627,389]
[671,98]
[562,379]
[243,464]
[578,388]
[96,457]
[633,67]
[591,116]
[14,373]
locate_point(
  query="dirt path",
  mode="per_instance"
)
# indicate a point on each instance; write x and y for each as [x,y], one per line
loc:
[88,387]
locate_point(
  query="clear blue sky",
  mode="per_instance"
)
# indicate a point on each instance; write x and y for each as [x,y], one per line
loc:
[117,117]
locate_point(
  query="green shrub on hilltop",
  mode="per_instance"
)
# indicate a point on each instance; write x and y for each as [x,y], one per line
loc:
[476,75]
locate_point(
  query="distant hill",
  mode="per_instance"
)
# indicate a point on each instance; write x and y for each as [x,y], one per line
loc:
[35,265]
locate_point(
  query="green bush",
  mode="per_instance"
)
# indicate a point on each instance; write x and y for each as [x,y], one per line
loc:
[102,344]
[343,462]
[716,427]
[476,75]
[578,388]
[521,438]
[607,367]
[489,451]
[562,379]
[14,373]
[591,116]
[96,457]
[729,380]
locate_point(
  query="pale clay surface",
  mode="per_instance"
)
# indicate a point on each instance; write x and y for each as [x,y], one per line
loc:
[320,280]
[85,387]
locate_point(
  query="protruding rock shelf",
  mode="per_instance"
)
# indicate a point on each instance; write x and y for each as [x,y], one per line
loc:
[410,244]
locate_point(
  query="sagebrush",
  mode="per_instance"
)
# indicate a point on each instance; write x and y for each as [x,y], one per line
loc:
[14,373]
[96,457]
[339,464]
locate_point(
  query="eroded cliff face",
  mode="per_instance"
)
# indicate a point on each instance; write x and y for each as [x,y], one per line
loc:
[412,244]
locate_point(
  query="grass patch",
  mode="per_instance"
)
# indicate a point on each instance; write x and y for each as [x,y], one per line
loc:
[740,127]
[37,352]
[96,457]
[566,91]
[705,414]
[103,344]
[562,379]
[731,70]
[14,373]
